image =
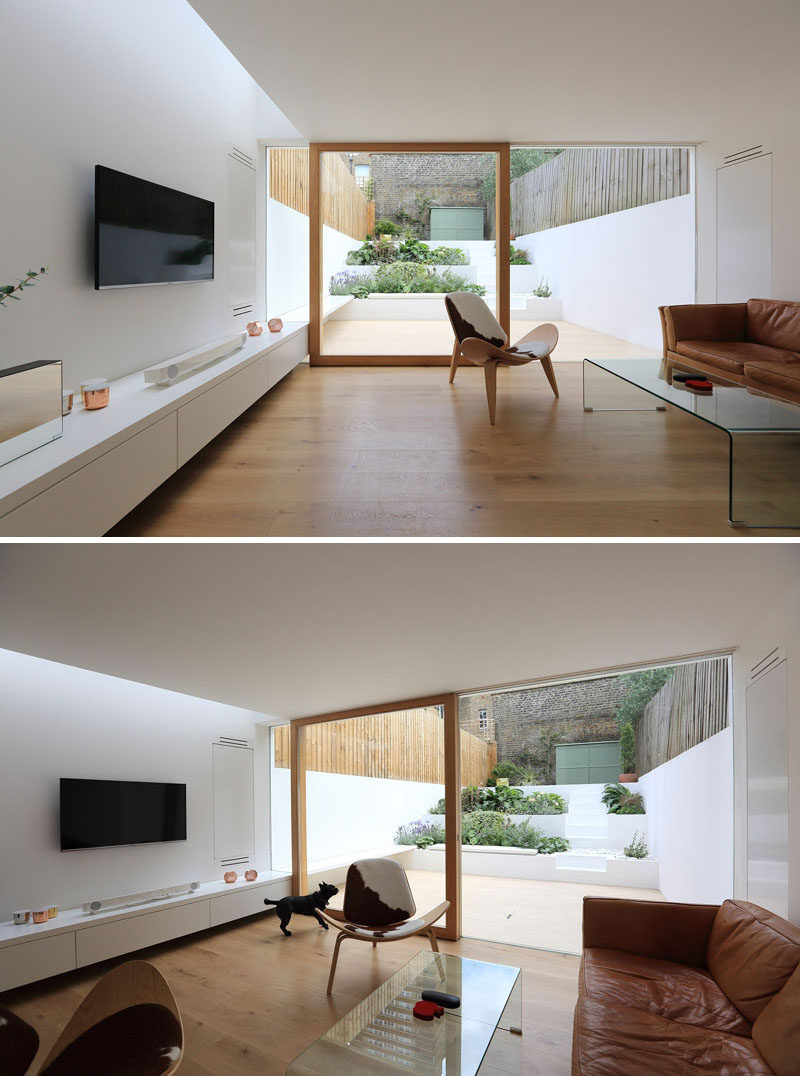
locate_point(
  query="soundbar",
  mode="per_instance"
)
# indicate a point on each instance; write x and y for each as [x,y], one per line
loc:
[131,900]
[168,372]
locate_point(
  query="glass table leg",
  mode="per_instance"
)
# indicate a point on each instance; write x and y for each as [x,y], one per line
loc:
[764,489]
[604,391]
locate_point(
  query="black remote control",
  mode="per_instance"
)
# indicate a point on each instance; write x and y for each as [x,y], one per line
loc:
[448,1001]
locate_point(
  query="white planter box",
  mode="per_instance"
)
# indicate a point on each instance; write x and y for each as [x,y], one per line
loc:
[524,278]
[553,825]
[527,864]
[621,828]
[405,307]
[537,309]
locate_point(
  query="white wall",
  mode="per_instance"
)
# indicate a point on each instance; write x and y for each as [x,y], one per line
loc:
[287,257]
[779,628]
[60,721]
[145,87]
[348,814]
[779,133]
[613,272]
[689,803]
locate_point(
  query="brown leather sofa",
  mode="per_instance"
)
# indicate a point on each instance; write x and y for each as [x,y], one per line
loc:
[673,989]
[756,343]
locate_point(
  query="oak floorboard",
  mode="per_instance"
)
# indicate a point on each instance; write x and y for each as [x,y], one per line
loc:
[252,1000]
[399,452]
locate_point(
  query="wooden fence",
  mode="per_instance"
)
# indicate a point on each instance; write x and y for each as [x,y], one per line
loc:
[405,745]
[582,183]
[690,707]
[344,206]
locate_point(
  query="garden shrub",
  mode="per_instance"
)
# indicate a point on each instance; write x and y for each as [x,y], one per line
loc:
[513,773]
[386,227]
[627,748]
[519,257]
[545,803]
[401,278]
[543,289]
[382,251]
[483,827]
[420,833]
[634,804]
[637,849]
[511,801]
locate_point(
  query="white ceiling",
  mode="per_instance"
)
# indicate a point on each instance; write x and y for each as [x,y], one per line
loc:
[299,629]
[516,70]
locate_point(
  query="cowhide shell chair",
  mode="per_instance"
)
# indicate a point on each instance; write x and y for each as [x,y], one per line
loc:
[379,907]
[480,338]
[129,1022]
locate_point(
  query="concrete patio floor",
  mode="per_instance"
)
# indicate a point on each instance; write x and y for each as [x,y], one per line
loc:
[342,337]
[543,915]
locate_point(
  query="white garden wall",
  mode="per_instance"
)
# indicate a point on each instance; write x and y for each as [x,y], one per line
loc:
[348,815]
[287,257]
[690,810]
[613,272]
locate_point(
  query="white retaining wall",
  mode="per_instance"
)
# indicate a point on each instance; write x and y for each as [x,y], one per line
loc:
[613,272]
[523,863]
[690,807]
[287,257]
[348,814]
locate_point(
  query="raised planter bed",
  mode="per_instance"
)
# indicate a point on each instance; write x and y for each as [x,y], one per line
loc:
[468,272]
[500,862]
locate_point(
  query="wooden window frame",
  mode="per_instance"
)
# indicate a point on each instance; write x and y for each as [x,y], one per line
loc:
[502,152]
[452,784]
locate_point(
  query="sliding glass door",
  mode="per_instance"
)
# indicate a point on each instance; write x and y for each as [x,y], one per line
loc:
[377,783]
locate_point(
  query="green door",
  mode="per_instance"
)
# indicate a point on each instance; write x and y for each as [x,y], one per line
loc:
[456,223]
[587,763]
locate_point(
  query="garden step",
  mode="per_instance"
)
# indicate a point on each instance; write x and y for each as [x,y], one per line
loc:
[586,831]
[566,862]
[588,842]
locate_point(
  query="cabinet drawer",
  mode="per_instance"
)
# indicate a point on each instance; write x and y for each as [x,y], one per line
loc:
[200,420]
[286,357]
[89,501]
[127,935]
[37,959]
[244,902]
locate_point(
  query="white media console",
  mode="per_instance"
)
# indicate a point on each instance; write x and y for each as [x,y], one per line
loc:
[75,939]
[109,460]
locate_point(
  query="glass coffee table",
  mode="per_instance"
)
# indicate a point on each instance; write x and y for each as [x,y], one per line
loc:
[763,432]
[382,1036]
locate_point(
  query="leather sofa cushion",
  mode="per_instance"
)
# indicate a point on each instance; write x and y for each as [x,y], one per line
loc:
[751,954]
[774,322]
[776,1032]
[731,356]
[779,375]
[614,1040]
[661,987]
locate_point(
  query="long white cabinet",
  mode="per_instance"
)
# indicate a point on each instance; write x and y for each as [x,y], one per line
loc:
[74,939]
[108,461]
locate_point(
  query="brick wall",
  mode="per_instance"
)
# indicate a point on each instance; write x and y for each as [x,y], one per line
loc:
[449,179]
[469,710]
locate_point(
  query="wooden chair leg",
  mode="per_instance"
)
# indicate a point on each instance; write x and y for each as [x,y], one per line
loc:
[454,360]
[433,941]
[339,941]
[549,373]
[490,375]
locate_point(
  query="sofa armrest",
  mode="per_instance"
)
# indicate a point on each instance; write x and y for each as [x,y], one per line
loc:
[714,321]
[665,931]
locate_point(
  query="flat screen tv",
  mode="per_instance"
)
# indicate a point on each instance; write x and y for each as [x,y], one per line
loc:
[148,234]
[99,814]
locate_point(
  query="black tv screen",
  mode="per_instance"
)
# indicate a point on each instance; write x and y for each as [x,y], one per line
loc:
[98,814]
[148,234]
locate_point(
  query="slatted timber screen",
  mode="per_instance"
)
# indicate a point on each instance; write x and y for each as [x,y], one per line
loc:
[404,745]
[344,206]
[582,183]
[690,707]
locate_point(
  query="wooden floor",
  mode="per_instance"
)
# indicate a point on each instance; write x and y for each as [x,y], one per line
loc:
[251,1000]
[399,452]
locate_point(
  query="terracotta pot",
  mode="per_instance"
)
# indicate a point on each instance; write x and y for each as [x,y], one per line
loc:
[230,876]
[628,778]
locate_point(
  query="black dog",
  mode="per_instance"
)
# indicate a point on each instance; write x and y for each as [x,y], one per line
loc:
[287,906]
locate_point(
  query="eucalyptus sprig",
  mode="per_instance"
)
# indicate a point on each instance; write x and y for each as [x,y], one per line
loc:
[8,291]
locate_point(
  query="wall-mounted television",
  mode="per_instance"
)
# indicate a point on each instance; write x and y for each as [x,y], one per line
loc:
[100,814]
[148,234]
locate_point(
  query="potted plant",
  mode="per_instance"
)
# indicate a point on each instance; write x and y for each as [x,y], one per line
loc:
[627,753]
